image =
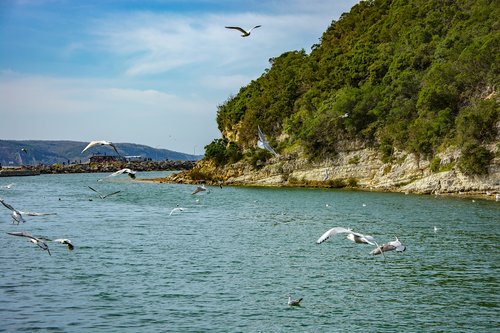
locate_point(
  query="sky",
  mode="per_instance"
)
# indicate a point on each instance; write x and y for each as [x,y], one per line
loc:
[150,72]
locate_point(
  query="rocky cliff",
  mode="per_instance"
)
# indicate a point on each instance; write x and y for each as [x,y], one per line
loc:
[358,167]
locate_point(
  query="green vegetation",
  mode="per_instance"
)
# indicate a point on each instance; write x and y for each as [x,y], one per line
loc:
[406,74]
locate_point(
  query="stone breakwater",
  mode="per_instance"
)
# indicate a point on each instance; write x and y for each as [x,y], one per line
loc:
[110,167]
[362,169]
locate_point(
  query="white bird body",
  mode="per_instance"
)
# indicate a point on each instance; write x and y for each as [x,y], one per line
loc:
[131,173]
[65,241]
[199,189]
[176,209]
[356,237]
[332,232]
[244,33]
[16,215]
[390,246]
[263,144]
[294,302]
[8,186]
[100,143]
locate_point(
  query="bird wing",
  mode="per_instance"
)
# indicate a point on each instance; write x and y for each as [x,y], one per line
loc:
[238,28]
[113,193]
[7,205]
[257,26]
[65,242]
[331,232]
[96,191]
[21,234]
[90,145]
[35,213]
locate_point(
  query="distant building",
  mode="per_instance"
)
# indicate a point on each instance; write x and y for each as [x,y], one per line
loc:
[136,158]
[105,159]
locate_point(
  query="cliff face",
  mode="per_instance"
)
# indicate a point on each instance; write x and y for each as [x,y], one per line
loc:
[358,167]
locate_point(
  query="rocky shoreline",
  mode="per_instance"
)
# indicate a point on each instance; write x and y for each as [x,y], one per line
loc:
[361,169]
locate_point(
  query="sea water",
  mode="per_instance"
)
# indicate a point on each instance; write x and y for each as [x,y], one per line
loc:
[229,260]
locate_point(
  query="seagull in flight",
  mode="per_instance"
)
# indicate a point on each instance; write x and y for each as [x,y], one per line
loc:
[100,143]
[243,31]
[391,246]
[129,172]
[263,144]
[8,186]
[37,241]
[199,189]
[176,209]
[356,237]
[63,241]
[17,215]
[294,302]
[101,195]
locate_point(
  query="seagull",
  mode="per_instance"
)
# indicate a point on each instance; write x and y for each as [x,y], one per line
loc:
[436,229]
[263,144]
[24,150]
[103,196]
[199,189]
[63,241]
[326,175]
[176,209]
[391,246]
[16,215]
[356,237]
[8,186]
[294,302]
[243,31]
[129,172]
[39,242]
[100,143]
[345,115]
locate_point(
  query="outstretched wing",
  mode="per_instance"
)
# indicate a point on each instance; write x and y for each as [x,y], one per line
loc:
[332,232]
[239,29]
[262,142]
[7,205]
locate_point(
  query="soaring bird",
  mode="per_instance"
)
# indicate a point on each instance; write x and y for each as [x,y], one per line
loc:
[176,209]
[391,246]
[263,144]
[294,302]
[129,172]
[16,215]
[37,241]
[103,196]
[356,237]
[65,241]
[199,189]
[243,31]
[101,143]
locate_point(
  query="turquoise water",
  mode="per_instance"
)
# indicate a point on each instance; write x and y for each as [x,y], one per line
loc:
[228,262]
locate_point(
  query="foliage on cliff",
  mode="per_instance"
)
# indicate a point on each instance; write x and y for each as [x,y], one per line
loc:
[415,75]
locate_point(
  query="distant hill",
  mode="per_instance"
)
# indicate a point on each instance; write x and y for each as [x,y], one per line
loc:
[32,152]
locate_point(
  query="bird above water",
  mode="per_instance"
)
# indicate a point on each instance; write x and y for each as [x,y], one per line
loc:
[198,189]
[103,196]
[244,33]
[129,172]
[395,245]
[263,144]
[37,241]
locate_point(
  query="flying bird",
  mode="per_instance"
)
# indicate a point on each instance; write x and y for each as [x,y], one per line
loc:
[16,215]
[199,189]
[24,150]
[129,172]
[263,144]
[8,186]
[63,241]
[102,196]
[294,302]
[243,31]
[176,209]
[356,237]
[100,143]
[391,246]
[37,241]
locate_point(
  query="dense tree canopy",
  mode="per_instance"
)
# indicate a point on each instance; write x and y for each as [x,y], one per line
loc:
[406,74]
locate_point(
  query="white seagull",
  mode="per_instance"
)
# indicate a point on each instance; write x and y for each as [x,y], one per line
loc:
[199,189]
[356,237]
[243,31]
[176,209]
[8,186]
[17,215]
[391,246]
[101,195]
[263,144]
[129,172]
[63,241]
[100,143]
[294,302]
[37,241]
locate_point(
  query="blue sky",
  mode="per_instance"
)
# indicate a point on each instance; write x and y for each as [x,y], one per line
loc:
[147,72]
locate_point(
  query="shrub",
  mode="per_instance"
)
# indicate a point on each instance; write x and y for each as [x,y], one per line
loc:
[475,160]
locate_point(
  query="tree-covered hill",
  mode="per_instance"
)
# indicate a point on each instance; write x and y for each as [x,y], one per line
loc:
[413,75]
